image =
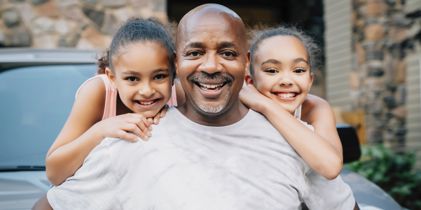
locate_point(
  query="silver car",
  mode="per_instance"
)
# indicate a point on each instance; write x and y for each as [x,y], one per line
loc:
[37,89]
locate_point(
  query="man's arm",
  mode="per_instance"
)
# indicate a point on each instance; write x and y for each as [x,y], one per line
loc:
[42,204]
[328,194]
[356,207]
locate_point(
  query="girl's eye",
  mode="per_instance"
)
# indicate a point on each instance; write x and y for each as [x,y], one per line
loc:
[271,71]
[160,76]
[132,79]
[300,70]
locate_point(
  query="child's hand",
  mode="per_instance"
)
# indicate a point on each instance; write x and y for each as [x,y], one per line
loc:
[160,115]
[129,127]
[252,98]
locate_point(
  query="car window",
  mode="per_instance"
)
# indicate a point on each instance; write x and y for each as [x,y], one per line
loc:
[34,104]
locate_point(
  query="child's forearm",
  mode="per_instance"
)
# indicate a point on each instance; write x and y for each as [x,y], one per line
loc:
[65,160]
[315,151]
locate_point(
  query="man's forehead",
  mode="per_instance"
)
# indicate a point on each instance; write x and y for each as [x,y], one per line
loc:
[211,26]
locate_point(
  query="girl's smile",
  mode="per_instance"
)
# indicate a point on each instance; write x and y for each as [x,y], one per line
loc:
[141,75]
[283,75]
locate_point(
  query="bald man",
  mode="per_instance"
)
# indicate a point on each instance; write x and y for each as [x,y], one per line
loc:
[211,153]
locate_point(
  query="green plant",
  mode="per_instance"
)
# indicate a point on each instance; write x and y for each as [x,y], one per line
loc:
[391,171]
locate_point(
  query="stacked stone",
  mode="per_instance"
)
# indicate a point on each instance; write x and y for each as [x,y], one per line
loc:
[381,39]
[85,24]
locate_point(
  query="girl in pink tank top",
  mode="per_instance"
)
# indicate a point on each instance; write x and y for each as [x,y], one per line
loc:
[128,95]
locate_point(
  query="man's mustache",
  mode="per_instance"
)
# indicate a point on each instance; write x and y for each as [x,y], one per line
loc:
[203,77]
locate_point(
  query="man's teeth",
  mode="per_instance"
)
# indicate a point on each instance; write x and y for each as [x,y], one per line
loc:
[211,86]
[286,95]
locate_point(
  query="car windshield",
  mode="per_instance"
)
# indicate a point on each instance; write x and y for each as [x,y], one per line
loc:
[35,102]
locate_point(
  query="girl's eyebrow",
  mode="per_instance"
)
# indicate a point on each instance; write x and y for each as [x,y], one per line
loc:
[272,61]
[133,72]
[297,60]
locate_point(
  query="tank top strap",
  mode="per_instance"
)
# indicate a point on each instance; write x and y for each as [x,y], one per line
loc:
[110,105]
[173,99]
[297,112]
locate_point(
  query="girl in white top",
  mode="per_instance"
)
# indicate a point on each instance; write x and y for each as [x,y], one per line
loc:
[280,78]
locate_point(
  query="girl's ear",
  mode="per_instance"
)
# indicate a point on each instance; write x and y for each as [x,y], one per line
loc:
[248,79]
[110,74]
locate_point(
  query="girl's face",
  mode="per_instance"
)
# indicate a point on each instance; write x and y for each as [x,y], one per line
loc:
[282,71]
[142,77]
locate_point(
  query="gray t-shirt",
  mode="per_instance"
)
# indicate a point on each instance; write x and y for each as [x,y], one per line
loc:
[188,166]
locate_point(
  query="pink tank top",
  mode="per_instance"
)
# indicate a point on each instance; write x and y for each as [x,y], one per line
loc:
[110,105]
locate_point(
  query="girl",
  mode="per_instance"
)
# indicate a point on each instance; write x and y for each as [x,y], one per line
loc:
[139,70]
[281,63]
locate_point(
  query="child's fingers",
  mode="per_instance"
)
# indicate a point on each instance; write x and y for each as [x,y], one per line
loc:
[143,127]
[137,129]
[163,111]
[121,134]
[156,119]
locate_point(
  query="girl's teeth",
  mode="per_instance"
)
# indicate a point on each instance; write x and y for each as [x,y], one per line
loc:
[146,103]
[286,95]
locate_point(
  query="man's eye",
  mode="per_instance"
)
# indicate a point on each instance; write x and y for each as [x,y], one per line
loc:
[229,54]
[194,54]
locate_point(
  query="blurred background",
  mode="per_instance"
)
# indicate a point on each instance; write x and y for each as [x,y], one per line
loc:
[371,56]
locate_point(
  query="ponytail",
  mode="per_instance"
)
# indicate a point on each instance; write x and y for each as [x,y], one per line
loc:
[103,63]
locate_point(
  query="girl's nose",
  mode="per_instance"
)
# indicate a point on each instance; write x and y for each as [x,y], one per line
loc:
[146,90]
[285,80]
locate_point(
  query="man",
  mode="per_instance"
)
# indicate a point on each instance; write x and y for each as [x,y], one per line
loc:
[210,153]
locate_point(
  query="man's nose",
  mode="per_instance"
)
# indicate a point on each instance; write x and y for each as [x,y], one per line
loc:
[146,90]
[210,63]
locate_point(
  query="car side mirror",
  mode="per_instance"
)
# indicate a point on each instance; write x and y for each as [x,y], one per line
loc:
[350,144]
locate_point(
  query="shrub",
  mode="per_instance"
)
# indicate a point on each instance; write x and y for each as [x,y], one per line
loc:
[391,171]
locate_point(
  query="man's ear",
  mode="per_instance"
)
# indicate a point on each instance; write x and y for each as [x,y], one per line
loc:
[110,74]
[248,60]
[175,63]
[248,79]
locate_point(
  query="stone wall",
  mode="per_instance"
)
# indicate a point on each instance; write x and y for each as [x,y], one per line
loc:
[87,24]
[383,35]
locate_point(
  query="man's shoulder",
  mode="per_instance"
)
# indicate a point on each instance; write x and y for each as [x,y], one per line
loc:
[258,121]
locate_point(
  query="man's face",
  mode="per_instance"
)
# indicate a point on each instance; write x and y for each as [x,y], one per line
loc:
[211,62]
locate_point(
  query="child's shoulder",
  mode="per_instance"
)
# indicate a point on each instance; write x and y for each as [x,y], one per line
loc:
[93,85]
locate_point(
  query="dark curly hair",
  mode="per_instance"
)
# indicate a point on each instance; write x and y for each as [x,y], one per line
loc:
[134,30]
[313,51]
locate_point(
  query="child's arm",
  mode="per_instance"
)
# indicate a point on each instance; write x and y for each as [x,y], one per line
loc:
[315,150]
[318,113]
[84,130]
